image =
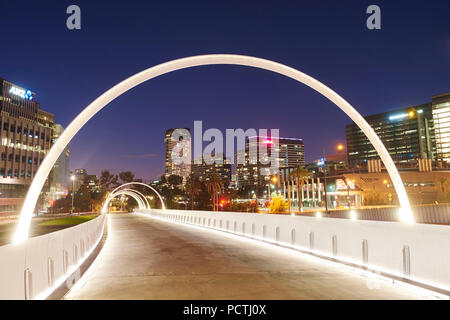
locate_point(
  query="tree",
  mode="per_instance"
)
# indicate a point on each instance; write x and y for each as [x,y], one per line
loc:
[131,203]
[214,185]
[83,199]
[169,191]
[163,179]
[300,174]
[108,180]
[62,205]
[193,188]
[175,180]
[126,176]
[278,205]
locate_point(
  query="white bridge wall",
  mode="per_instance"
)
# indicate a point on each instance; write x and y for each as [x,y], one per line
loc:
[429,245]
[64,249]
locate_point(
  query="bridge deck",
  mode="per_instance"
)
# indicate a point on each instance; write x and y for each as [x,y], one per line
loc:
[151,259]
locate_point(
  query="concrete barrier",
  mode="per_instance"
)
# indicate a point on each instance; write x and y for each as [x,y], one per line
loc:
[34,268]
[413,253]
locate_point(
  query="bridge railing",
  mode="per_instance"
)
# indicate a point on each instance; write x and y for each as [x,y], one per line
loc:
[34,268]
[433,214]
[415,253]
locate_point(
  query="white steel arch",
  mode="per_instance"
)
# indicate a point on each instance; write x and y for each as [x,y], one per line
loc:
[127,193]
[183,63]
[144,201]
[145,185]
[134,196]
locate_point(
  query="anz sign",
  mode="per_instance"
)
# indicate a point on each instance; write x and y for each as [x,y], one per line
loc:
[22,93]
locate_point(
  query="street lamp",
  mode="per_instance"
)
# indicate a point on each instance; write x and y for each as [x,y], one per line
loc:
[339,147]
[73,190]
[274,180]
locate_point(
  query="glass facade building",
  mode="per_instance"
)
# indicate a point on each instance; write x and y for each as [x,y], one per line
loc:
[255,172]
[408,134]
[441,118]
[183,147]
[204,171]
[59,186]
[26,138]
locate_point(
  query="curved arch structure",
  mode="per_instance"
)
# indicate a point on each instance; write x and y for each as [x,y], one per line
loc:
[183,63]
[130,194]
[135,196]
[145,185]
[143,200]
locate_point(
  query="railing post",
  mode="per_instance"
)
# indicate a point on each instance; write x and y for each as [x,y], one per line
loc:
[406,261]
[65,261]
[334,245]
[311,241]
[365,252]
[51,272]
[28,284]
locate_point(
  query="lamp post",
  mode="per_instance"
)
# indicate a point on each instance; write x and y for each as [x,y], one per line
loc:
[339,148]
[73,191]
[325,186]
[274,180]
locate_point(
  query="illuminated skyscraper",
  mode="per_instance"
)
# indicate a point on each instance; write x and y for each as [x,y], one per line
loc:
[408,135]
[178,147]
[441,119]
[204,171]
[60,181]
[256,172]
[26,133]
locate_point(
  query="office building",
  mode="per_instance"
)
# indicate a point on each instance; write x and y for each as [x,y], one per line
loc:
[203,171]
[407,133]
[80,177]
[441,120]
[26,138]
[60,175]
[77,178]
[178,153]
[254,171]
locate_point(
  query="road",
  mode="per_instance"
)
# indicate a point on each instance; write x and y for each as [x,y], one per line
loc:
[145,258]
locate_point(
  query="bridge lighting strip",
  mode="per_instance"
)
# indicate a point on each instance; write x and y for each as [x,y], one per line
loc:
[46,293]
[313,255]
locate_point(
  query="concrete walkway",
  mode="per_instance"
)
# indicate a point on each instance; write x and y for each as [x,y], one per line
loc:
[145,258]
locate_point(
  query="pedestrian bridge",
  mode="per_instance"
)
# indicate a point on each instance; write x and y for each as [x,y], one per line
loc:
[177,254]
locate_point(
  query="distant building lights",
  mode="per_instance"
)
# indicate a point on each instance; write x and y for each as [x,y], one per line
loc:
[398,116]
[321,162]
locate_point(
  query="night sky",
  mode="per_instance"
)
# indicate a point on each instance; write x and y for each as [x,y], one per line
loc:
[403,64]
